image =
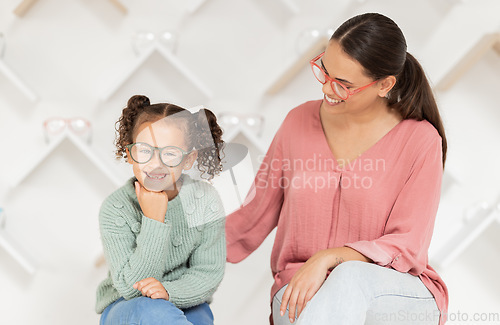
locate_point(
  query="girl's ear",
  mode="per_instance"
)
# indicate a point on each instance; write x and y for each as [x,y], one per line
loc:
[129,159]
[386,85]
[190,159]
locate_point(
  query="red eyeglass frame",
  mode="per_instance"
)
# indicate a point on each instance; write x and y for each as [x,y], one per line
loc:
[327,78]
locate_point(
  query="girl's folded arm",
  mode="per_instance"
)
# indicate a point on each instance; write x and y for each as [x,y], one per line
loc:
[206,267]
[132,257]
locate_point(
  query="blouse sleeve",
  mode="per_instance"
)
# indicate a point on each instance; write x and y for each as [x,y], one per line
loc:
[247,227]
[407,235]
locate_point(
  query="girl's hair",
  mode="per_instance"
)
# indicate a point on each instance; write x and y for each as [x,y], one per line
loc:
[201,130]
[378,44]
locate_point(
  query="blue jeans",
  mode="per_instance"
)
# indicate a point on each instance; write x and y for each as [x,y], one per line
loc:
[147,311]
[359,293]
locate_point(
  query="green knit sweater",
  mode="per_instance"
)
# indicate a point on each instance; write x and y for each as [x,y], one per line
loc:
[186,253]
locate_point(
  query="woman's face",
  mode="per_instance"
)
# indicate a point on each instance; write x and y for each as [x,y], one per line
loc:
[154,175]
[341,67]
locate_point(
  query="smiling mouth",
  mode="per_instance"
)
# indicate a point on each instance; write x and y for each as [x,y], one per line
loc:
[157,177]
[333,101]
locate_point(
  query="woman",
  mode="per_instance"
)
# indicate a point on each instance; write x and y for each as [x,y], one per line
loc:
[352,184]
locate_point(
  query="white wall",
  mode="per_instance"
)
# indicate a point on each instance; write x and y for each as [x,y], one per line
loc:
[69,51]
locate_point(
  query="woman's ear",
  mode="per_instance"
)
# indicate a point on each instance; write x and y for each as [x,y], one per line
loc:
[386,85]
[190,159]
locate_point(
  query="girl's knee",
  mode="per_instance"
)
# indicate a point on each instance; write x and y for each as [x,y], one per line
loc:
[157,311]
[201,314]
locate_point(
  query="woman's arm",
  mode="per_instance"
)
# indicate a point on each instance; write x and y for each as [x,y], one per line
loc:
[247,227]
[332,257]
[408,231]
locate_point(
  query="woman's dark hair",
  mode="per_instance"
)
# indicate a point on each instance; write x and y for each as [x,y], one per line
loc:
[201,130]
[378,44]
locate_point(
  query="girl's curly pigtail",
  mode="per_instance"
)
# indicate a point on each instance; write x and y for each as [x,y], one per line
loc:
[125,125]
[208,142]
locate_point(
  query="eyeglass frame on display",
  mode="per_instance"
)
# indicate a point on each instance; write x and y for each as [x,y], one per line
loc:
[67,124]
[332,81]
[242,119]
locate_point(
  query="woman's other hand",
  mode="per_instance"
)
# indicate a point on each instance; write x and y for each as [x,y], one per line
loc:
[153,204]
[152,288]
[306,282]
[310,277]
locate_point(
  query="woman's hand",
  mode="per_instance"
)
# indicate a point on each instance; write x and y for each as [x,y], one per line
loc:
[152,288]
[153,204]
[310,277]
[305,283]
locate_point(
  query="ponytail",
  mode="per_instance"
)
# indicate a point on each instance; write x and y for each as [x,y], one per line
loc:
[207,140]
[378,44]
[413,98]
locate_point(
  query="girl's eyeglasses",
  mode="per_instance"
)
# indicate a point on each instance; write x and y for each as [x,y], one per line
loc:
[338,88]
[142,153]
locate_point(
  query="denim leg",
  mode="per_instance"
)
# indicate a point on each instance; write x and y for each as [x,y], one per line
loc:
[143,311]
[358,293]
[199,315]
[105,313]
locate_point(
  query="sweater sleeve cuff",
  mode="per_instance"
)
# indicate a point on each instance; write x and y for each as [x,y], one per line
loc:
[153,234]
[182,299]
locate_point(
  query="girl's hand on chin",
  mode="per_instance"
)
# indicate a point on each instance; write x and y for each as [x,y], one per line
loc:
[153,204]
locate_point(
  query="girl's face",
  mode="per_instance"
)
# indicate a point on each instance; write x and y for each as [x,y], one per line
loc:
[341,67]
[154,175]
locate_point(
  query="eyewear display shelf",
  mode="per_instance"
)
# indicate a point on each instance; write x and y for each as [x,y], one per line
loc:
[460,46]
[294,66]
[85,149]
[12,247]
[26,5]
[288,5]
[468,230]
[257,147]
[170,59]
[490,41]
[17,81]
[465,34]
[250,137]
[6,241]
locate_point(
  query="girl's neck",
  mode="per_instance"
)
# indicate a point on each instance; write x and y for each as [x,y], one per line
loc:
[172,194]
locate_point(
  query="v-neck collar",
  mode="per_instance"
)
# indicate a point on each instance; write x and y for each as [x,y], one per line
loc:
[350,164]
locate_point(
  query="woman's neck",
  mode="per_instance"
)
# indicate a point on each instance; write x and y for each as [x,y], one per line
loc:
[379,113]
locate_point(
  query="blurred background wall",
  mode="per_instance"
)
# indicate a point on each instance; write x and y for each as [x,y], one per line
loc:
[83,59]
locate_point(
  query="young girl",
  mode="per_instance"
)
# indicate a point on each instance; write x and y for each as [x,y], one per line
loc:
[163,232]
